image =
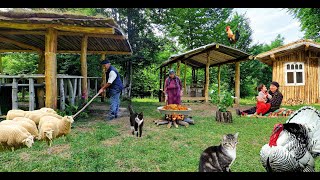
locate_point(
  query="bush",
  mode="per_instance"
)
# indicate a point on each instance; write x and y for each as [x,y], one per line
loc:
[223,101]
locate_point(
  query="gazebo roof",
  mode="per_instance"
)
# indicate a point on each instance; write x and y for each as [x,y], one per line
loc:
[25,32]
[218,54]
[302,44]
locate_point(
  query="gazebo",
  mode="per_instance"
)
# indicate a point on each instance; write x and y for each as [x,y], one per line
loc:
[205,57]
[49,34]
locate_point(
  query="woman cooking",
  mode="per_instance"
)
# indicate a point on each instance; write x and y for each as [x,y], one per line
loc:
[173,89]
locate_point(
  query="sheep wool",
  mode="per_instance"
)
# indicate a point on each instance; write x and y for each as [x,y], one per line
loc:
[13,137]
[48,130]
[15,113]
[48,110]
[65,125]
[26,120]
[31,128]
[35,115]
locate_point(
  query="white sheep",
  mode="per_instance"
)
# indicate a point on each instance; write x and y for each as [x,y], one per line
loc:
[34,115]
[12,136]
[48,110]
[31,128]
[48,130]
[25,119]
[15,113]
[65,125]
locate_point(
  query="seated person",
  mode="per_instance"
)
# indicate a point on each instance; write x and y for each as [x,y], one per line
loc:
[262,99]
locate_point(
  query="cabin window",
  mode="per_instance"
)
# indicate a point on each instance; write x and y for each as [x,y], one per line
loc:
[294,73]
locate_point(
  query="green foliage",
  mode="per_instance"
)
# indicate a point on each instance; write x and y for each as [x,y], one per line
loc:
[224,100]
[20,63]
[73,109]
[310,21]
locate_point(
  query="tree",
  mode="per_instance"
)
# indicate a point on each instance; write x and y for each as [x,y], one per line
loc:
[20,63]
[310,21]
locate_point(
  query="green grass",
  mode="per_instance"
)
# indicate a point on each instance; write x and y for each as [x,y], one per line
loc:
[95,146]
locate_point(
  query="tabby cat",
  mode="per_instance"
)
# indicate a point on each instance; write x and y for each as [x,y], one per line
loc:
[136,122]
[219,158]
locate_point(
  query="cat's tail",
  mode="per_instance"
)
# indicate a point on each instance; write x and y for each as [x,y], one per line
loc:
[130,109]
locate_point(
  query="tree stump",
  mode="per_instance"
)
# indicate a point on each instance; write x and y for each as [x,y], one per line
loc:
[225,117]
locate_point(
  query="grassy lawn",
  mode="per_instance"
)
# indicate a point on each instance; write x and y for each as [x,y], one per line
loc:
[96,145]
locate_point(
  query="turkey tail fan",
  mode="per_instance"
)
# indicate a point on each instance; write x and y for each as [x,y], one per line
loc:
[310,118]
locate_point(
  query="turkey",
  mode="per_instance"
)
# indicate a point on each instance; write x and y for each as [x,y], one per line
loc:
[294,144]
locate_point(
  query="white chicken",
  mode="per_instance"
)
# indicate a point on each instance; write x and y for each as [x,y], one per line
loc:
[294,145]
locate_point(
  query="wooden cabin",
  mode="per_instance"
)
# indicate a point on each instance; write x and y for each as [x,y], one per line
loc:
[48,34]
[202,58]
[296,67]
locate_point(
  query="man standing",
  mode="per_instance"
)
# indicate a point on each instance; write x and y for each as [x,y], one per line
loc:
[115,86]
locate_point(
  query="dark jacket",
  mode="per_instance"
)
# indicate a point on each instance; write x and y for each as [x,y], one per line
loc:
[275,101]
[117,83]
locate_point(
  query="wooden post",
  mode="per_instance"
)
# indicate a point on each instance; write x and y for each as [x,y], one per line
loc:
[185,79]
[51,68]
[71,95]
[62,96]
[96,86]
[178,68]
[40,90]
[31,94]
[88,87]
[84,72]
[74,84]
[1,68]
[206,88]
[23,90]
[237,83]
[103,75]
[79,89]
[170,66]
[14,94]
[219,72]
[65,82]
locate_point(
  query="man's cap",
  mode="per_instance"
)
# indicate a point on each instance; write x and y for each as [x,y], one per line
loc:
[106,61]
[275,84]
[171,71]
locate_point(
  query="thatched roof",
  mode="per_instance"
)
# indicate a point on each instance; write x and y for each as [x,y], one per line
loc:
[288,48]
[30,27]
[218,54]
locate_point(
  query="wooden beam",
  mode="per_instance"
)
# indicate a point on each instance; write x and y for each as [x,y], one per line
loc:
[306,48]
[237,83]
[17,50]
[206,87]
[71,28]
[110,36]
[219,72]
[103,75]
[51,68]
[235,60]
[84,68]
[40,91]
[178,68]
[20,44]
[21,32]
[95,52]
[272,57]
[185,79]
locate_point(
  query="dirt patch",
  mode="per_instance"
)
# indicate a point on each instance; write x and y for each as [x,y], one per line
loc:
[111,141]
[84,129]
[61,149]
[24,156]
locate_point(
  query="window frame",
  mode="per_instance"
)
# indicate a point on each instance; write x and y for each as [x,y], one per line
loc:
[294,73]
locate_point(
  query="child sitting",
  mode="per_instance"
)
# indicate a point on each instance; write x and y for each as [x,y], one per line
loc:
[262,99]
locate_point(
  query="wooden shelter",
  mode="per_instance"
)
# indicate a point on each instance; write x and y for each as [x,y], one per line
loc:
[203,58]
[48,34]
[296,67]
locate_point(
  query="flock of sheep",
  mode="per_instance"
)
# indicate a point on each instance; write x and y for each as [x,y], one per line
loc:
[21,127]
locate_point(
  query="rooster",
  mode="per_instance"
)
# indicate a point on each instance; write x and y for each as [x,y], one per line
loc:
[294,145]
[233,38]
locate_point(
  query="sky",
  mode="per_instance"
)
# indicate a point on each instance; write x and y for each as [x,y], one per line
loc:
[267,23]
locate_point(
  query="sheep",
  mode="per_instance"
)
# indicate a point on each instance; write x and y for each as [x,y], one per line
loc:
[12,136]
[65,125]
[48,130]
[34,115]
[15,113]
[48,110]
[25,119]
[31,128]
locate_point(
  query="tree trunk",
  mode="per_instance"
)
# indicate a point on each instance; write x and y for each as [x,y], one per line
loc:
[225,117]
